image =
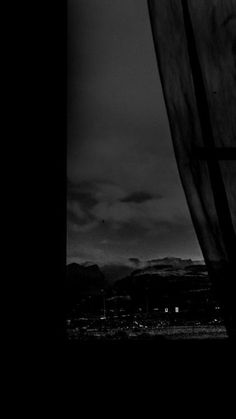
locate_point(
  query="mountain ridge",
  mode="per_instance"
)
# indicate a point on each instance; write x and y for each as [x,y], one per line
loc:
[115,271]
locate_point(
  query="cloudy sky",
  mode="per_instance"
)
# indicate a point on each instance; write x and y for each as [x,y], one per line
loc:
[125,198]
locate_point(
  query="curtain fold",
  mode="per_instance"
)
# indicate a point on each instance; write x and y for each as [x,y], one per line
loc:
[195,44]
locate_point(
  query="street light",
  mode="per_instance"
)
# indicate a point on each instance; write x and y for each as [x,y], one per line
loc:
[104,304]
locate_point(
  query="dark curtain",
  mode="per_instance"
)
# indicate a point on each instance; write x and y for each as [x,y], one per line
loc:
[195,43]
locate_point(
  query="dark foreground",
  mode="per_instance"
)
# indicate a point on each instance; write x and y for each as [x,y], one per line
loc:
[142,328]
[171,333]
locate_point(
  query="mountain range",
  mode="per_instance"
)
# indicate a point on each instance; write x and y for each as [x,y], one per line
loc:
[166,281]
[86,279]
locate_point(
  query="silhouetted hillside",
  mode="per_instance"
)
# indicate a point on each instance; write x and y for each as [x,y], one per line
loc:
[81,282]
[114,272]
[166,285]
[172,261]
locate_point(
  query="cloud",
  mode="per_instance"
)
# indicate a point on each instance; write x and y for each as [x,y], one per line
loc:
[116,212]
[81,193]
[79,217]
[74,208]
[135,262]
[82,227]
[145,213]
[108,192]
[106,213]
[137,197]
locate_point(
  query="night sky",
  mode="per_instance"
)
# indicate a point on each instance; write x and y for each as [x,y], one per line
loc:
[125,199]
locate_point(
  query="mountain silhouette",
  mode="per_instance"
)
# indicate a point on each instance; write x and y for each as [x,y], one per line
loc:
[81,282]
[86,279]
[182,284]
[116,271]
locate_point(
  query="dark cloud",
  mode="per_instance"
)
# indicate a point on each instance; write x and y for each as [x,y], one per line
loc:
[135,261]
[81,193]
[137,197]
[85,198]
